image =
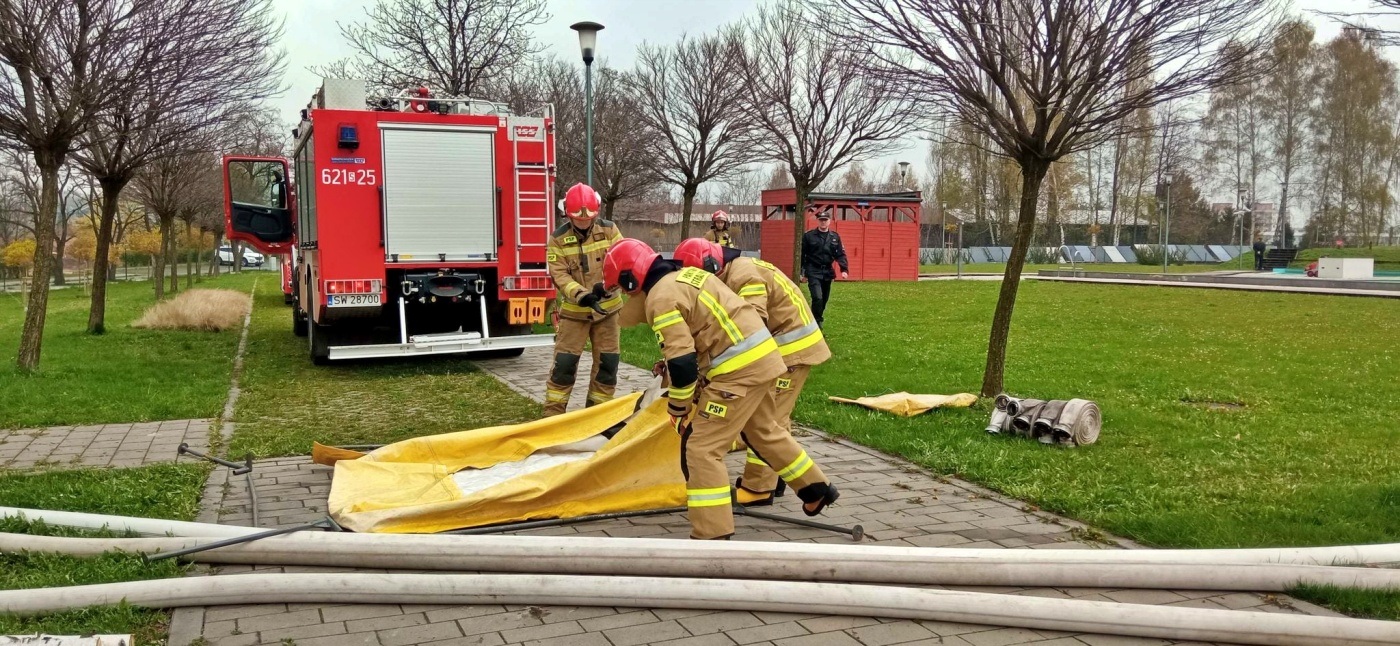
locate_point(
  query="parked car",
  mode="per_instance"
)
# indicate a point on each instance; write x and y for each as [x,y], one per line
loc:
[250,258]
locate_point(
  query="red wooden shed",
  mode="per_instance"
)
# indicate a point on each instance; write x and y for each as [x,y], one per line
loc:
[880,231]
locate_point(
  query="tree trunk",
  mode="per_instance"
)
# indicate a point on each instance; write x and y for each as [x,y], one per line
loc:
[31,339]
[158,264]
[687,203]
[189,270]
[214,260]
[101,264]
[1032,174]
[801,186]
[174,262]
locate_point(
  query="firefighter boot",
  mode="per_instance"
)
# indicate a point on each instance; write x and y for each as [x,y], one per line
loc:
[815,497]
[749,498]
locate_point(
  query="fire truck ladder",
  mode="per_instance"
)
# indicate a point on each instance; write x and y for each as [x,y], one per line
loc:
[532,207]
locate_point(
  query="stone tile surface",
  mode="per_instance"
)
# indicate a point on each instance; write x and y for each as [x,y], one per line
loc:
[103,445]
[896,502]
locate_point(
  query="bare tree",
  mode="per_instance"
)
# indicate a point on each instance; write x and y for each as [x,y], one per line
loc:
[58,59]
[687,95]
[452,46]
[1288,106]
[812,107]
[1043,80]
[196,65]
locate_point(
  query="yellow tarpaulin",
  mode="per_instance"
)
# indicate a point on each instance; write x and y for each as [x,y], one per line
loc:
[907,405]
[409,486]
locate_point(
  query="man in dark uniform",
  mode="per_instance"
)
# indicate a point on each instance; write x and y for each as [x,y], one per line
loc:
[821,247]
[1259,250]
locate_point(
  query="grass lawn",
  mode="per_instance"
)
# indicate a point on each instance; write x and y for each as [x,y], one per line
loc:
[125,375]
[1308,460]
[161,491]
[1387,258]
[287,403]
[1128,268]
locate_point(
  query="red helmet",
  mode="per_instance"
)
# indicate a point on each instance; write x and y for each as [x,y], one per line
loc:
[579,198]
[627,264]
[699,252]
[719,216]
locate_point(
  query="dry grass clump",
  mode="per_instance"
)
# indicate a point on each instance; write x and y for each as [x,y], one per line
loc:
[209,310]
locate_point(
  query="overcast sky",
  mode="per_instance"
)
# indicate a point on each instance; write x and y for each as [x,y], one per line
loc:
[312,38]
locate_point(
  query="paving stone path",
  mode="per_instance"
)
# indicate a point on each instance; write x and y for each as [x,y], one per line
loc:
[896,502]
[106,445]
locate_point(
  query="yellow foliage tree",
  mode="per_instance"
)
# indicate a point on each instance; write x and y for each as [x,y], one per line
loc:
[19,255]
[144,242]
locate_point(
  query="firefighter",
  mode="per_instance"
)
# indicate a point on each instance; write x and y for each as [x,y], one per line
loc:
[587,311]
[713,342]
[779,303]
[719,229]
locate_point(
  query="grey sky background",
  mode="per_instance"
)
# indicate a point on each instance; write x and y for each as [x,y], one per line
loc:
[313,38]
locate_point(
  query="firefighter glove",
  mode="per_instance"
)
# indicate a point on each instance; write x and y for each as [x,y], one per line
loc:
[589,300]
[658,368]
[679,417]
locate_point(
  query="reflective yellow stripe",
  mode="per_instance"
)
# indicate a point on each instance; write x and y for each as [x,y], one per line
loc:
[555,396]
[707,497]
[666,319]
[570,307]
[754,289]
[598,398]
[595,246]
[685,394]
[569,288]
[726,362]
[722,316]
[796,299]
[797,468]
[615,301]
[799,339]
[754,459]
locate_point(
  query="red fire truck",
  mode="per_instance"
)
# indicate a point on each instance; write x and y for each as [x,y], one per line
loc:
[416,226]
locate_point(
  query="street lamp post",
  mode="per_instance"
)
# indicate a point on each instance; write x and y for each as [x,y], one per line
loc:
[903,174]
[588,43]
[1167,224]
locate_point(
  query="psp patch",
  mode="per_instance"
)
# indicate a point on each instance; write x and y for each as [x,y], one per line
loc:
[718,410]
[784,383]
[552,257]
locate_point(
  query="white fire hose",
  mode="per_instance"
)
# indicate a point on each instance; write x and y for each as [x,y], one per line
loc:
[767,596]
[734,560]
[718,564]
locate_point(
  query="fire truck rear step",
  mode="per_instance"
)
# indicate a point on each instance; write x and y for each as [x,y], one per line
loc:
[452,343]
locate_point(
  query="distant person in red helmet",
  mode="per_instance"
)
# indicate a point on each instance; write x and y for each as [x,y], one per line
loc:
[719,229]
[711,339]
[587,311]
[779,303]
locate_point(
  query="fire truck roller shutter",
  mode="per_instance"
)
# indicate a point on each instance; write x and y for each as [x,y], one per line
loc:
[439,193]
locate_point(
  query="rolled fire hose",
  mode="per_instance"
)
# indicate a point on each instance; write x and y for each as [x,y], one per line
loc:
[1021,421]
[538,546]
[665,557]
[1080,422]
[1070,615]
[1067,422]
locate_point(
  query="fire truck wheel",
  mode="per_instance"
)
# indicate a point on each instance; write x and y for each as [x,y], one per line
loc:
[320,342]
[298,321]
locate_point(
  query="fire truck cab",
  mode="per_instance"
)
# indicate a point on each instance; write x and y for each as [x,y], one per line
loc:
[415,226]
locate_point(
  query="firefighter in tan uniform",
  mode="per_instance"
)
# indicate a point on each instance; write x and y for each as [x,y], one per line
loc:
[719,229]
[714,341]
[587,311]
[779,303]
